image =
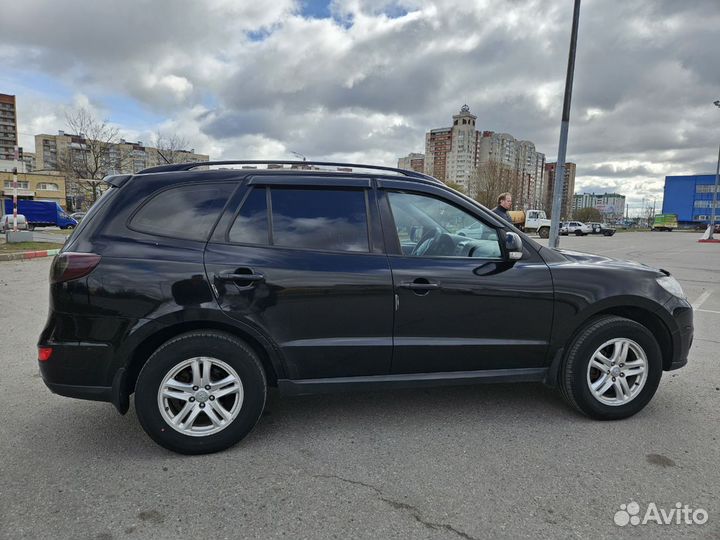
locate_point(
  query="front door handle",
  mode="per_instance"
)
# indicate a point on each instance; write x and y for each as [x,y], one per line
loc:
[420,284]
[232,276]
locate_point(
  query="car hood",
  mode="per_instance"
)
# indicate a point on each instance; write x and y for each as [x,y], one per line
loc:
[589,258]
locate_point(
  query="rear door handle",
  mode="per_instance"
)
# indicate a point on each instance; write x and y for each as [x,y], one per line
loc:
[419,286]
[231,276]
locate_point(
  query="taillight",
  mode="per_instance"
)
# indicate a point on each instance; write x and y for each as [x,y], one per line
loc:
[70,265]
[44,353]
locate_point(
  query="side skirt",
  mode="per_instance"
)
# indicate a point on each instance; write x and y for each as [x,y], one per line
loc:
[301,387]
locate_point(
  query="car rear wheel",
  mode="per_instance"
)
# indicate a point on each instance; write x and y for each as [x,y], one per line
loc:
[544,232]
[200,392]
[578,232]
[612,369]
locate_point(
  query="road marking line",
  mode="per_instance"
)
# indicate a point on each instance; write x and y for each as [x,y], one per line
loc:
[707,311]
[701,299]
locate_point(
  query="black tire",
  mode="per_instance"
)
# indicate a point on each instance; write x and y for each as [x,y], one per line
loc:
[202,343]
[544,232]
[573,375]
[578,233]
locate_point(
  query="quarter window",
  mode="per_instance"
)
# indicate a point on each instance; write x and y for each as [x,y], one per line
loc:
[327,219]
[186,212]
[251,224]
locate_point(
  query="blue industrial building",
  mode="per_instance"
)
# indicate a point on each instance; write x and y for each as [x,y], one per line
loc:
[690,197]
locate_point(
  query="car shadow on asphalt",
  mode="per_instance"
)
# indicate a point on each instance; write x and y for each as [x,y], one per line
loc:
[96,428]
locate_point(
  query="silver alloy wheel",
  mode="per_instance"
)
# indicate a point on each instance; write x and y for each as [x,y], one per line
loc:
[617,372]
[200,396]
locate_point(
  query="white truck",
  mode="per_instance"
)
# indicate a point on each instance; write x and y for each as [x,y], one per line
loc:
[531,221]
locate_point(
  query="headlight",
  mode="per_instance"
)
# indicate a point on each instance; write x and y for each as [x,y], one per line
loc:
[671,285]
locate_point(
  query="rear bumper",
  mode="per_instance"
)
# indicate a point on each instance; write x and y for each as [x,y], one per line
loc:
[80,370]
[94,393]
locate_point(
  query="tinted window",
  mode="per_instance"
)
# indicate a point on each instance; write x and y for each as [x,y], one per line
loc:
[187,212]
[430,227]
[251,224]
[320,219]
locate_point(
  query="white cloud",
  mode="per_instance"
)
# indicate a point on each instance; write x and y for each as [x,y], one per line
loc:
[258,79]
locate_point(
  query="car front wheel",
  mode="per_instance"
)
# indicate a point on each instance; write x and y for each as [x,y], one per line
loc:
[612,368]
[200,392]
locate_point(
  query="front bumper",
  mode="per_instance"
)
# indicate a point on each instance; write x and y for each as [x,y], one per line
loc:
[681,331]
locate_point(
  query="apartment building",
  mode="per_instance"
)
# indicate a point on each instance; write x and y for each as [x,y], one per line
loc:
[453,154]
[610,205]
[124,157]
[8,127]
[568,189]
[412,162]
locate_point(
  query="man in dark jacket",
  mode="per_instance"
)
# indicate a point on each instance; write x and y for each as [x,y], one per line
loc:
[504,204]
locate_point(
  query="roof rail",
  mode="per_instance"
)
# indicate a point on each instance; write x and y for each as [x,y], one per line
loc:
[190,166]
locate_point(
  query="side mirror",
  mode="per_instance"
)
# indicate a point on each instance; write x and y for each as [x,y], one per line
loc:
[513,244]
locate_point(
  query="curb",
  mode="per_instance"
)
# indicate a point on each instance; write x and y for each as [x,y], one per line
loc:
[22,255]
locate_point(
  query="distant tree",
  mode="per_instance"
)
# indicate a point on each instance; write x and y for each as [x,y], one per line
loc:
[455,186]
[86,161]
[489,180]
[588,214]
[171,147]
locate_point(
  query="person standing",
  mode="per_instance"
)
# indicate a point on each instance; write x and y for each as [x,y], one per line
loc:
[504,204]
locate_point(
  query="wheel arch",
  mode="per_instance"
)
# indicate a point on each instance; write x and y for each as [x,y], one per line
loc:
[640,315]
[140,354]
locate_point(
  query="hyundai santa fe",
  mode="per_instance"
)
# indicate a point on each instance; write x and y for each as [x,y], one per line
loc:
[196,287]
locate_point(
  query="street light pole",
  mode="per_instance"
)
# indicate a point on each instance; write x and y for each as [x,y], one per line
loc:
[715,191]
[559,183]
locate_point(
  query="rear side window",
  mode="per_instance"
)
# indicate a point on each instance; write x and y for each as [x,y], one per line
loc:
[186,212]
[327,219]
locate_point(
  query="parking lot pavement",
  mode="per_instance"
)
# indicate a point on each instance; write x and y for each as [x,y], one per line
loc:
[495,461]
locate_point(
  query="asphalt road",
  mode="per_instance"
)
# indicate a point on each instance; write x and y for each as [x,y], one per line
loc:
[496,461]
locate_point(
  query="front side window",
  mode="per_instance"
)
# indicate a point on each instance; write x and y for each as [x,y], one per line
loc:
[186,212]
[430,227]
[326,219]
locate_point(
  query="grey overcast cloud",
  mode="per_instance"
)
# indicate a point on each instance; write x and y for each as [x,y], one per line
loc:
[364,80]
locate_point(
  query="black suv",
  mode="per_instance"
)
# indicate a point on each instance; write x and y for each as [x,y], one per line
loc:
[196,288]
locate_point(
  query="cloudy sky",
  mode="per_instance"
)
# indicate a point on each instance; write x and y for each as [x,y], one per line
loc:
[363,80]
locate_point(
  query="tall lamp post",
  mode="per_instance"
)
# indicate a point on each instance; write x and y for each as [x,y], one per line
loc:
[715,191]
[559,183]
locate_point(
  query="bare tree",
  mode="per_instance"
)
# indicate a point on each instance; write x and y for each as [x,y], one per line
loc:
[88,158]
[588,214]
[490,179]
[171,148]
[455,186]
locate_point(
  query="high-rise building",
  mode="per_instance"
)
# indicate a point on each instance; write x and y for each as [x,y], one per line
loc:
[122,158]
[568,189]
[412,162]
[523,163]
[8,127]
[610,205]
[451,153]
[437,148]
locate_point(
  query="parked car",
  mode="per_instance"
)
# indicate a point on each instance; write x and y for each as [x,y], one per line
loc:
[606,229]
[595,227]
[7,223]
[327,281]
[577,228]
